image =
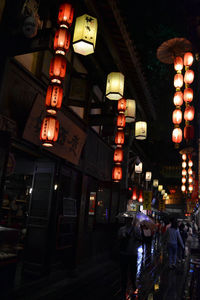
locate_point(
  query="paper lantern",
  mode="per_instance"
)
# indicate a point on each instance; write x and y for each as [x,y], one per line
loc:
[178,63]
[61,41]
[130,112]
[178,98]
[189,132]
[121,106]
[49,131]
[190,188]
[178,81]
[177,116]
[162,192]
[54,98]
[190,179]
[140,198]
[189,113]
[188,95]
[85,32]
[184,164]
[160,187]
[184,156]
[190,171]
[57,68]
[115,86]
[184,172]
[140,130]
[138,168]
[183,188]
[117,174]
[189,76]
[177,135]
[183,180]
[148,176]
[119,138]
[188,59]
[65,15]
[155,182]
[134,194]
[190,163]
[121,122]
[118,156]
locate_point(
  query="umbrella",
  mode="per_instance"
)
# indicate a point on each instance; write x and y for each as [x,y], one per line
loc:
[143,219]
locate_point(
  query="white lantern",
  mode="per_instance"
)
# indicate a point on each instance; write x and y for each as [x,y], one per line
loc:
[162,192]
[140,130]
[183,188]
[155,182]
[184,164]
[160,187]
[115,86]
[138,168]
[148,176]
[130,111]
[85,33]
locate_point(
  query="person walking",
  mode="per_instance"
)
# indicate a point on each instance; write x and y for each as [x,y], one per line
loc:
[130,239]
[181,251]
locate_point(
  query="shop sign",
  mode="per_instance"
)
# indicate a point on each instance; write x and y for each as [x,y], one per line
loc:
[147,198]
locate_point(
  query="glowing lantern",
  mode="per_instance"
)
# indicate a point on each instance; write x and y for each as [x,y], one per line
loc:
[190,179]
[54,98]
[115,86]
[184,156]
[121,106]
[85,33]
[140,130]
[178,64]
[119,138]
[188,59]
[189,76]
[130,110]
[160,187]
[61,41]
[184,164]
[190,163]
[121,121]
[65,15]
[190,188]
[177,135]
[183,180]
[183,188]
[148,176]
[118,156]
[184,172]
[134,195]
[188,95]
[155,182]
[189,171]
[189,132]
[49,131]
[177,116]
[140,199]
[57,68]
[178,98]
[162,192]
[138,168]
[189,113]
[178,81]
[117,174]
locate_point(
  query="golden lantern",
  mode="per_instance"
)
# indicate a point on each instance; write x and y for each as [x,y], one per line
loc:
[121,107]
[177,116]
[190,171]
[57,68]
[188,95]
[189,76]
[183,188]
[183,180]
[49,131]
[155,182]
[148,176]
[188,59]
[65,15]
[189,113]
[119,138]
[121,121]
[115,86]
[118,156]
[178,64]
[130,111]
[54,98]
[184,164]
[85,32]
[140,130]
[61,41]
[162,192]
[184,172]
[190,163]
[178,98]
[177,135]
[160,187]
[178,81]
[184,156]
[138,168]
[117,174]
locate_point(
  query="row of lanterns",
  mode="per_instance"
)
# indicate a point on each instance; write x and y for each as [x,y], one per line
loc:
[187,178]
[187,96]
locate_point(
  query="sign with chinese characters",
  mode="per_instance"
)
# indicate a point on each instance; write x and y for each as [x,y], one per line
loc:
[71,138]
[147,198]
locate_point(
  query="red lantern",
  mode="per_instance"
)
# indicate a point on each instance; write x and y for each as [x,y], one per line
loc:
[190,171]
[183,180]
[118,156]
[178,98]
[61,41]
[121,121]
[177,135]
[189,113]
[121,106]
[177,116]
[134,194]
[189,76]
[117,174]
[189,132]
[178,81]
[178,63]
[184,156]
[188,59]
[190,188]
[188,95]
[184,172]
[65,15]
[54,98]
[190,179]
[119,138]
[57,68]
[49,131]
[140,199]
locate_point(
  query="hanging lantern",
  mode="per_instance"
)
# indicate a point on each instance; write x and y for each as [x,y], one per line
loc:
[121,122]
[155,182]
[117,174]
[188,95]
[134,194]
[189,76]
[121,106]
[119,138]
[184,172]
[130,111]
[61,41]
[85,33]
[115,86]
[190,163]
[162,192]
[190,179]
[178,81]
[190,171]
[49,131]
[160,187]
[118,156]
[188,59]
[178,64]
[140,199]
[177,116]
[140,130]
[177,135]
[138,168]
[189,113]
[190,188]
[148,176]
[178,98]
[65,15]
[183,180]
[189,132]
[183,188]
[54,98]
[57,68]
[184,164]
[184,156]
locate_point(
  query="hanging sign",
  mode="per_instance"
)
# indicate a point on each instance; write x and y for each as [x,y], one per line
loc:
[147,198]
